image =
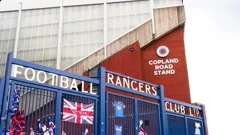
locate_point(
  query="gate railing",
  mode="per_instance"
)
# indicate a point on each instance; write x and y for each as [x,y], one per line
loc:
[1,92]
[140,89]
[17,73]
[140,100]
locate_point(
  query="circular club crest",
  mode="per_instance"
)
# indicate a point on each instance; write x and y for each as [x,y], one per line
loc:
[162,51]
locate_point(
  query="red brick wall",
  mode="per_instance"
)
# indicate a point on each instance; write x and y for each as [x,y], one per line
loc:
[126,62]
[136,64]
[176,85]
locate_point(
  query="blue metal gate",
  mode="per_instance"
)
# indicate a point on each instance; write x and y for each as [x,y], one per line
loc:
[38,98]
[26,105]
[140,111]
[184,119]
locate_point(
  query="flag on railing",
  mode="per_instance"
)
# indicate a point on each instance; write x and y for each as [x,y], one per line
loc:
[78,112]
[17,125]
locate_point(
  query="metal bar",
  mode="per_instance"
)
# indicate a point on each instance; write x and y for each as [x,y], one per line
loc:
[102,115]
[96,117]
[1,93]
[159,120]
[186,125]
[123,76]
[59,50]
[107,95]
[58,113]
[18,30]
[152,16]
[52,70]
[191,118]
[163,111]
[5,92]
[130,91]
[175,114]
[105,28]
[205,129]
[10,105]
[182,103]
[182,115]
[132,98]
[135,109]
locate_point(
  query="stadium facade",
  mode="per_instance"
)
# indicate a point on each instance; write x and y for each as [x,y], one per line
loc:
[59,36]
[143,39]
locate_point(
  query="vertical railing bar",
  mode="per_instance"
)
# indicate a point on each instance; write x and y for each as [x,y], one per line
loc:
[159,120]
[36,104]
[10,105]
[30,109]
[6,89]
[135,117]
[1,93]
[58,112]
[163,111]
[25,102]
[101,76]
[95,116]
[186,125]
[45,105]
[39,106]
[204,120]
[107,115]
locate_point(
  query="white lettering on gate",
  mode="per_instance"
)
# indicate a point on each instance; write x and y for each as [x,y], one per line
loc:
[126,82]
[71,83]
[44,77]
[74,85]
[26,74]
[178,108]
[15,70]
[131,84]
[41,77]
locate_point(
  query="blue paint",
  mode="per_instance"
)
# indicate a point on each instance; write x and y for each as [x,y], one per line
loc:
[186,127]
[136,117]
[1,93]
[162,111]
[52,88]
[5,92]
[160,120]
[58,110]
[204,119]
[106,111]
[130,91]
[102,109]
[96,116]
[10,104]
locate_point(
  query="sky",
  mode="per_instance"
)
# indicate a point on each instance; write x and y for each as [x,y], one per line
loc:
[212,43]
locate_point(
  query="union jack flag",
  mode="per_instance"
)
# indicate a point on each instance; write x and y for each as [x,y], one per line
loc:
[78,112]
